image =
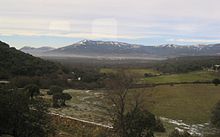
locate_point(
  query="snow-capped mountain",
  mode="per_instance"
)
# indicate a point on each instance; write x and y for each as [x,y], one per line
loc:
[102,43]
[168,46]
[90,48]
[99,48]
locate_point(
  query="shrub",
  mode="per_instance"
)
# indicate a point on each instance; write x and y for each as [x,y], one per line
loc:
[59,98]
[21,81]
[21,117]
[159,127]
[55,90]
[216,81]
[139,123]
[148,75]
[32,90]
[177,133]
[215,117]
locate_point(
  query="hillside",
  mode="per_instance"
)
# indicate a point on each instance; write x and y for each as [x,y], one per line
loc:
[16,63]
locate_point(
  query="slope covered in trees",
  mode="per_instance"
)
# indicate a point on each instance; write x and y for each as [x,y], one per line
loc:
[17,63]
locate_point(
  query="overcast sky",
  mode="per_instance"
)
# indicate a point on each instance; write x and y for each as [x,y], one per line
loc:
[59,23]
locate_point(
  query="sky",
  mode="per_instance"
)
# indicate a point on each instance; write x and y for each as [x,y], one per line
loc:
[58,23]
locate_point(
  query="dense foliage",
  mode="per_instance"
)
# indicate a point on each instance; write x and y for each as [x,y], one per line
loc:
[22,117]
[75,78]
[177,133]
[186,64]
[140,123]
[86,78]
[215,118]
[59,98]
[32,90]
[17,63]
[216,81]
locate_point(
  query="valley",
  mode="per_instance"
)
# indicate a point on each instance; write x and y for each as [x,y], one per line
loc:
[109,68]
[180,92]
[166,102]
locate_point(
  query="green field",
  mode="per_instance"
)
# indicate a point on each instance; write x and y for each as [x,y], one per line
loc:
[197,76]
[200,76]
[191,103]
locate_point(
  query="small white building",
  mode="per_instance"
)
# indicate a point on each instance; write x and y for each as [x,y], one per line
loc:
[79,78]
[216,67]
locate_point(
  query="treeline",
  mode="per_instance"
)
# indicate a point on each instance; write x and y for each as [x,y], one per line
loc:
[186,64]
[77,78]
[172,65]
[81,62]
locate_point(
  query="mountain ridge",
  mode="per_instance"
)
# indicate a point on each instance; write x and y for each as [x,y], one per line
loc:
[108,49]
[36,51]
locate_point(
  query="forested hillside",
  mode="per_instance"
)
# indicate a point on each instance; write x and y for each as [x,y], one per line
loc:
[16,63]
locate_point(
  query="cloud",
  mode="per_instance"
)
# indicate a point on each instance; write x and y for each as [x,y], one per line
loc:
[114,19]
[201,41]
[107,27]
[60,25]
[205,9]
[68,34]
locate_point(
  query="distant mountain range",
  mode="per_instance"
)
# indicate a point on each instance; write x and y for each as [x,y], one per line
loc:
[113,49]
[36,51]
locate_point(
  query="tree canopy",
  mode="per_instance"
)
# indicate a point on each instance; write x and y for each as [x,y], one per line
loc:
[59,98]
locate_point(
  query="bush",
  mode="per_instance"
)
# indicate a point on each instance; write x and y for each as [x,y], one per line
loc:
[21,117]
[55,90]
[139,123]
[59,97]
[22,81]
[32,90]
[49,92]
[215,117]
[147,133]
[177,133]
[146,75]
[216,81]
[159,127]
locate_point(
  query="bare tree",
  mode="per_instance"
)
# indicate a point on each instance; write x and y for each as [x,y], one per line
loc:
[118,87]
[127,115]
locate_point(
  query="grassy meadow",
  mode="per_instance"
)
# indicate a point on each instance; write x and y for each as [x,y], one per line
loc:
[180,102]
[198,76]
[159,78]
[190,104]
